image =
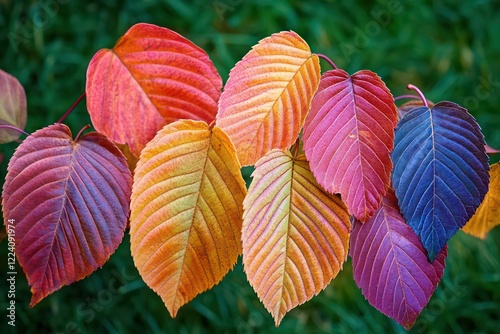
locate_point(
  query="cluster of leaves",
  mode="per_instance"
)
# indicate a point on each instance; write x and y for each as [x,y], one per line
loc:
[339,170]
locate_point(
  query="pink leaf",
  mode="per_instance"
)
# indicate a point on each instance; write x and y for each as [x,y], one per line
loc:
[348,137]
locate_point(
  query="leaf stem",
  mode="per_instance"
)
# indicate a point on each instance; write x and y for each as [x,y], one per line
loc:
[415,88]
[328,60]
[14,128]
[66,114]
[406,96]
[81,131]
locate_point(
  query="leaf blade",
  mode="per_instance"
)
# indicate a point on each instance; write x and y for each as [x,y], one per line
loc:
[12,107]
[66,226]
[268,95]
[152,76]
[440,171]
[185,221]
[295,235]
[388,256]
[348,136]
[486,216]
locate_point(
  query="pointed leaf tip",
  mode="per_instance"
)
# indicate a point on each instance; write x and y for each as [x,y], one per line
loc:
[186,211]
[268,95]
[348,137]
[390,264]
[440,171]
[295,235]
[70,204]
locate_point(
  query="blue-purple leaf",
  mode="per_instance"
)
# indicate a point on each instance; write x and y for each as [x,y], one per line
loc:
[440,171]
[390,264]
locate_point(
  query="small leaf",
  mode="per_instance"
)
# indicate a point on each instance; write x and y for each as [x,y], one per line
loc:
[70,203]
[295,235]
[151,77]
[487,215]
[186,209]
[12,107]
[440,171]
[348,136]
[268,95]
[390,265]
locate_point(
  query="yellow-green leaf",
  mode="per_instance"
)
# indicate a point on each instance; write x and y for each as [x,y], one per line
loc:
[268,94]
[487,214]
[295,235]
[186,211]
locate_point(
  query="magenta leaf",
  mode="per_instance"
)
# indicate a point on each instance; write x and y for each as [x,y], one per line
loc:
[390,264]
[69,204]
[348,137]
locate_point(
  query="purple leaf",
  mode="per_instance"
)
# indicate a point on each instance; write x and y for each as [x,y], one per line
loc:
[390,264]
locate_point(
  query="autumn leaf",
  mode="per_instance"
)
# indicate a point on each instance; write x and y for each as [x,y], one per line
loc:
[487,216]
[390,264]
[69,201]
[12,107]
[186,211]
[295,235]
[440,171]
[151,77]
[348,137]
[268,95]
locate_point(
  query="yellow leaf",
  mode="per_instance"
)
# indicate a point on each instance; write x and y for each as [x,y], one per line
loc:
[186,211]
[268,95]
[295,235]
[487,214]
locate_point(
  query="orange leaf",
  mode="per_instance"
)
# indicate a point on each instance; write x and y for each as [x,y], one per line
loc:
[186,209]
[268,95]
[153,76]
[295,235]
[487,214]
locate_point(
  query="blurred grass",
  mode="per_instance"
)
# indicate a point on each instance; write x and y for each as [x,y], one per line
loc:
[449,49]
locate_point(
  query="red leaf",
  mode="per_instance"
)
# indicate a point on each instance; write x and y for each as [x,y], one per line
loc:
[153,76]
[70,204]
[348,137]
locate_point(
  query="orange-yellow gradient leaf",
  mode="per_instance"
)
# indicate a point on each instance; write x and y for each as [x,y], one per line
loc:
[151,77]
[268,95]
[186,211]
[487,214]
[295,235]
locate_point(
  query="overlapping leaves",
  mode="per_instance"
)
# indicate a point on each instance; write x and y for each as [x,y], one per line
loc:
[295,235]
[390,264]
[186,211]
[440,171]
[70,197]
[151,77]
[268,95]
[69,201]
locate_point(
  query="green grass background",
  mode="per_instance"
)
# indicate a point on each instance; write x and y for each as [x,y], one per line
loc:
[449,49]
